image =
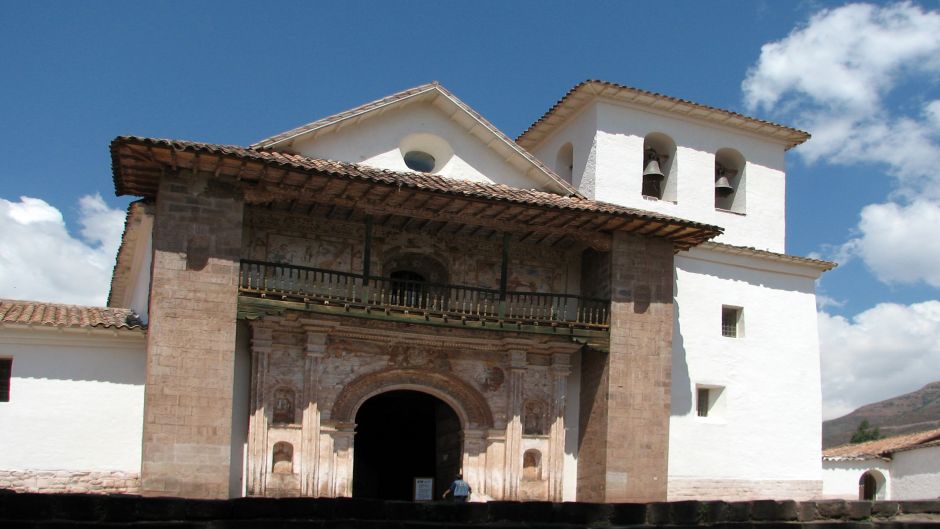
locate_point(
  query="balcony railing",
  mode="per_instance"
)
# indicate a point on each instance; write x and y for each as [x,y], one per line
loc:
[331,287]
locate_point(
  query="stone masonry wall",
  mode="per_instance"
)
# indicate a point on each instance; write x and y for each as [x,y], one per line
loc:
[191,338]
[632,461]
[95,482]
[120,511]
[742,489]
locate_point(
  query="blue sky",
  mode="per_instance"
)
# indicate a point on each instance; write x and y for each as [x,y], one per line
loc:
[860,77]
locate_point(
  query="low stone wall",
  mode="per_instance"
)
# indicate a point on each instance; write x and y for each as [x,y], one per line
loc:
[742,489]
[29,510]
[93,482]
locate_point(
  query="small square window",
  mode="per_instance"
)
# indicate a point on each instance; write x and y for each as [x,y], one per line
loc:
[731,321]
[6,371]
[707,400]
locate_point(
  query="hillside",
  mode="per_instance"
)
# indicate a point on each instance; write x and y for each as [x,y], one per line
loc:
[913,412]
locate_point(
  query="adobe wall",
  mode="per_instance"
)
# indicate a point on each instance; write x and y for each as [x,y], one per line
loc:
[310,372]
[119,511]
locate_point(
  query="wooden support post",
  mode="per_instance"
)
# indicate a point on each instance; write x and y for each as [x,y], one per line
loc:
[504,277]
[504,269]
[367,252]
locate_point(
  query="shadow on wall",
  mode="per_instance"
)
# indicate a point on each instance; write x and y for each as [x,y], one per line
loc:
[753,277]
[117,366]
[681,394]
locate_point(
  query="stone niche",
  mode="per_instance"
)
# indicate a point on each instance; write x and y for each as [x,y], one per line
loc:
[504,388]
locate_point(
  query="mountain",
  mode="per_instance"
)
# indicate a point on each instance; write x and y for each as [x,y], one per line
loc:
[913,412]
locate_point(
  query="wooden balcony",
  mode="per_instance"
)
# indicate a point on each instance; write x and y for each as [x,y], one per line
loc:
[383,297]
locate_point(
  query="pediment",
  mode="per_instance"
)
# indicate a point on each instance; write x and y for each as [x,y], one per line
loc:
[423,129]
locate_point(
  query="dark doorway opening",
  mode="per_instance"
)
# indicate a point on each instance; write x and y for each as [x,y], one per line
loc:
[867,487]
[408,288]
[401,435]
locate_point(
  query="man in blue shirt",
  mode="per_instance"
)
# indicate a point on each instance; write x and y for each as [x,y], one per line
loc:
[459,490]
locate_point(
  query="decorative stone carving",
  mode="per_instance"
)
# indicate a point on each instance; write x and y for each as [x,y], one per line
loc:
[491,378]
[284,399]
[407,355]
[469,404]
[534,419]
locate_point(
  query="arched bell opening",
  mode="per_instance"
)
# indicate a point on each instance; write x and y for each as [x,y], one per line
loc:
[659,155]
[402,435]
[730,180]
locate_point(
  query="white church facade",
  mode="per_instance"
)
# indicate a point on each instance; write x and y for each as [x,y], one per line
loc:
[600,310]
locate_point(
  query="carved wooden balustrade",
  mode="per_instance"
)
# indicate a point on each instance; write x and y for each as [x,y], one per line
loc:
[317,286]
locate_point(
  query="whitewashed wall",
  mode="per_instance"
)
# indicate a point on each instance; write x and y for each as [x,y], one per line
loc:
[840,478]
[139,299]
[915,474]
[617,159]
[572,426]
[763,438]
[580,132]
[76,399]
[377,142]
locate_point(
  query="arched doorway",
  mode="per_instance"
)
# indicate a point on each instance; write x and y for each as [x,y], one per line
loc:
[401,435]
[869,485]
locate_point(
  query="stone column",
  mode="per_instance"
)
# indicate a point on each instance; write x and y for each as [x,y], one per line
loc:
[187,426]
[310,433]
[495,483]
[561,368]
[258,420]
[474,459]
[625,395]
[513,464]
[341,480]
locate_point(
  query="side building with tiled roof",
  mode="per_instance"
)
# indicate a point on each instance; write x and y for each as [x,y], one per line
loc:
[602,310]
[903,467]
[71,397]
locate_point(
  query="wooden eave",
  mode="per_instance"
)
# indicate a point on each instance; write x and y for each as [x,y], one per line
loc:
[267,178]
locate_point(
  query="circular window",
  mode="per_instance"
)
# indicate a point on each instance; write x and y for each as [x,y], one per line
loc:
[419,161]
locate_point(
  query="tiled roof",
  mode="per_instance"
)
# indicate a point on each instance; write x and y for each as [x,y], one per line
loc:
[346,114]
[884,447]
[62,315]
[422,93]
[133,180]
[585,91]
[774,256]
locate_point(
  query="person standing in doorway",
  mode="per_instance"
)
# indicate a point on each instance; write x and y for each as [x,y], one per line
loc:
[459,490]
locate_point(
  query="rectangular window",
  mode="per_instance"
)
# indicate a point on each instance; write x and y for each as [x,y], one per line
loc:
[6,372]
[702,400]
[708,401]
[731,321]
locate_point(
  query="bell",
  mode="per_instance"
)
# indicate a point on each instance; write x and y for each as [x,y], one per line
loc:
[652,169]
[723,186]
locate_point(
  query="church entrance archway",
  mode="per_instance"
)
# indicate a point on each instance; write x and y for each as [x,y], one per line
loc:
[401,435]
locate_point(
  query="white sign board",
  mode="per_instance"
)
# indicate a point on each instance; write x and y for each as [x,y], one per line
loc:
[424,489]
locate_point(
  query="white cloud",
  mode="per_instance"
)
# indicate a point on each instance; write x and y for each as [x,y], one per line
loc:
[833,76]
[839,76]
[40,260]
[899,242]
[861,78]
[883,352]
